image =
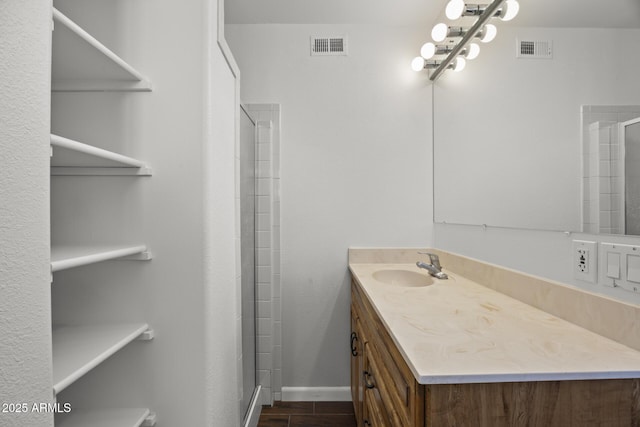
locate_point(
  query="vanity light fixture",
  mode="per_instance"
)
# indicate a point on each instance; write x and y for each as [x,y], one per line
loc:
[472,51]
[458,8]
[455,9]
[419,63]
[488,33]
[459,64]
[441,32]
[509,10]
[458,51]
[429,50]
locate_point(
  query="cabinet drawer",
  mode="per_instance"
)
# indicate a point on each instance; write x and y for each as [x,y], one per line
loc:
[374,413]
[394,388]
[379,408]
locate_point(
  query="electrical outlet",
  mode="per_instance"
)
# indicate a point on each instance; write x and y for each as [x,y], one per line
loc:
[585,261]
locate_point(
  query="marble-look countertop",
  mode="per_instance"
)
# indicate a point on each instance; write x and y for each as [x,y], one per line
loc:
[457,331]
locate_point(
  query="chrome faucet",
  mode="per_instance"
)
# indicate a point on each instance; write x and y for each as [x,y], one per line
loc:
[434,269]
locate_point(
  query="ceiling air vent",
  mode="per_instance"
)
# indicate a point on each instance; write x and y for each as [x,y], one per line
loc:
[324,46]
[534,49]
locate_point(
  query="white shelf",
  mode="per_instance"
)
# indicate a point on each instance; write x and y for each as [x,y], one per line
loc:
[71,157]
[129,417]
[78,349]
[64,257]
[80,63]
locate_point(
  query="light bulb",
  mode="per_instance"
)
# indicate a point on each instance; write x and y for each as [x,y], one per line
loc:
[439,32]
[460,64]
[417,64]
[473,50]
[509,10]
[489,33]
[454,9]
[428,50]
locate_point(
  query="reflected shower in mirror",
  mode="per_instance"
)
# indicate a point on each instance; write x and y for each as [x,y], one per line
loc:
[611,164]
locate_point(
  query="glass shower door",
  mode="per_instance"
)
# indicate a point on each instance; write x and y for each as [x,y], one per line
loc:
[247,254]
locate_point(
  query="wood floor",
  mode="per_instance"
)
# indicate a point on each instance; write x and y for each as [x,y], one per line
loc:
[308,414]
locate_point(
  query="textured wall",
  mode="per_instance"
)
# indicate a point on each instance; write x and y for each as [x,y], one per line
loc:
[25,330]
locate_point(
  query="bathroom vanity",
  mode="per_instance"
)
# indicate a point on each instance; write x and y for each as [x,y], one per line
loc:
[487,347]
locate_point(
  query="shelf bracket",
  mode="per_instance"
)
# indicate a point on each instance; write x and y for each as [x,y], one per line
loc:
[142,256]
[147,335]
[150,421]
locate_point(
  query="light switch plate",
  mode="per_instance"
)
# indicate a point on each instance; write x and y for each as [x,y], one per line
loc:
[613,265]
[585,261]
[633,269]
[607,252]
[629,261]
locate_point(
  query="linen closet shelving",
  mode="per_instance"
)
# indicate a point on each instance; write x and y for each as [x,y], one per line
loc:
[81,63]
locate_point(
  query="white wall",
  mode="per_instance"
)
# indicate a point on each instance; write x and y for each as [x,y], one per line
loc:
[222,238]
[222,268]
[25,307]
[355,171]
[603,82]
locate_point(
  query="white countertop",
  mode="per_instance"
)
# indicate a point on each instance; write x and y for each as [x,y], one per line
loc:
[457,331]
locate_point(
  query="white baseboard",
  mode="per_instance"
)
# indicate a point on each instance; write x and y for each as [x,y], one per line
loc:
[316,394]
[253,415]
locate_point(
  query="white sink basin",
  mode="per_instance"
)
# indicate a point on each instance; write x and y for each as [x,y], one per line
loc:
[403,278]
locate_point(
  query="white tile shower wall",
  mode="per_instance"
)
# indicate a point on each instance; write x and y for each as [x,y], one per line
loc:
[605,180]
[590,184]
[603,183]
[269,355]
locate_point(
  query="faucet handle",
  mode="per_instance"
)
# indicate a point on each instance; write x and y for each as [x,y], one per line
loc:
[435,260]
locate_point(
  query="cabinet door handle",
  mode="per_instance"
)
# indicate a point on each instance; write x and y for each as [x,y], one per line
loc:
[354,349]
[368,384]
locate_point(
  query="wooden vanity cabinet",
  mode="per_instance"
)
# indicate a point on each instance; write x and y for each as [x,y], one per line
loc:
[386,394]
[384,390]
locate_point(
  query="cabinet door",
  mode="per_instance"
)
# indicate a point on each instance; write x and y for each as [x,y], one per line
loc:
[357,365]
[374,409]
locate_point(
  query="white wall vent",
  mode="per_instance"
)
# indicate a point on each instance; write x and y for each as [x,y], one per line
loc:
[323,46]
[534,49]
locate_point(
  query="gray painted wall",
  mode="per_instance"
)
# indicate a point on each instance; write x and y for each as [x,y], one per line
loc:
[355,171]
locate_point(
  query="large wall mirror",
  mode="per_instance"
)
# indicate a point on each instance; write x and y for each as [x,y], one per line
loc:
[538,143]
